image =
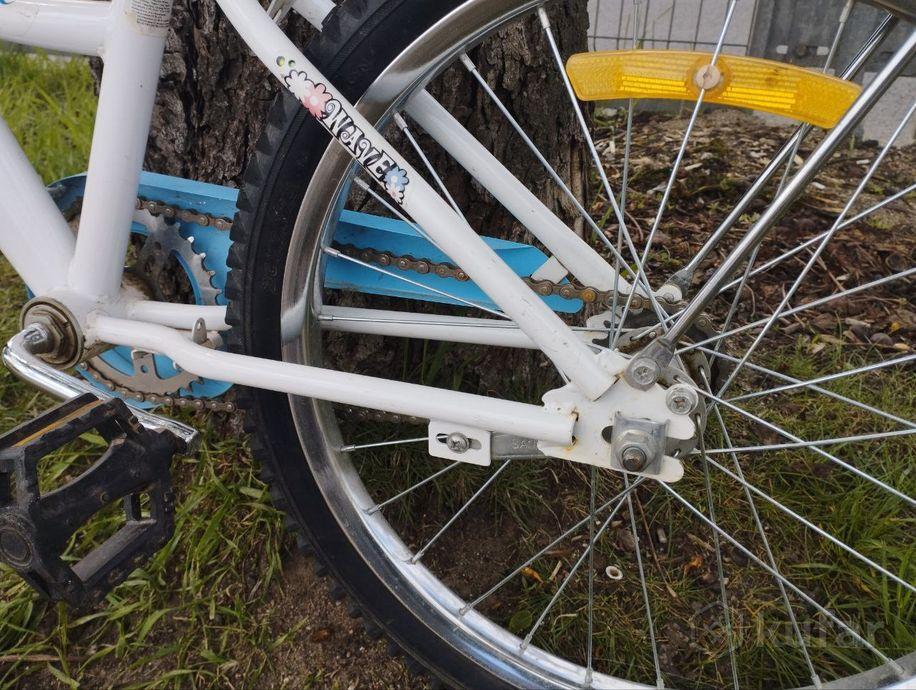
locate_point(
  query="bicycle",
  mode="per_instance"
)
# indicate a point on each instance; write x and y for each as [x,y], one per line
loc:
[632,399]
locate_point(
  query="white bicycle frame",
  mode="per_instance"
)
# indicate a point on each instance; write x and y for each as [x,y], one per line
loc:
[84,273]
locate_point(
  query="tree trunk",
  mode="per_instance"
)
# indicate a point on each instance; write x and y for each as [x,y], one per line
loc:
[520,68]
[214,97]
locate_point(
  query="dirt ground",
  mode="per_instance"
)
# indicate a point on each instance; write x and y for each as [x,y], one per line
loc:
[326,637]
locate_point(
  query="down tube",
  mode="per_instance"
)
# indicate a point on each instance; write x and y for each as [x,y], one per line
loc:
[416,197]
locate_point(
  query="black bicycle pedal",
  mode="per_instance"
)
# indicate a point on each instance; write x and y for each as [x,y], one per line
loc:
[36,528]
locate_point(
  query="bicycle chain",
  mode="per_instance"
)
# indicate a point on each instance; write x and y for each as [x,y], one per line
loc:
[407,263]
[544,288]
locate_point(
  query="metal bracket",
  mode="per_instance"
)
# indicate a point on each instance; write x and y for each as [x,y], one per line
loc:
[638,444]
[508,447]
[460,443]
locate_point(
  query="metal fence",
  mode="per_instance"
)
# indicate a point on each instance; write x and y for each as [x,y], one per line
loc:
[664,24]
[785,30]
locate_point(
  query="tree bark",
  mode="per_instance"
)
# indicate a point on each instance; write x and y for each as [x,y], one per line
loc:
[520,68]
[214,97]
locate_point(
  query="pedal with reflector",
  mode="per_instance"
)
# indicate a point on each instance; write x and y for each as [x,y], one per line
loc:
[36,528]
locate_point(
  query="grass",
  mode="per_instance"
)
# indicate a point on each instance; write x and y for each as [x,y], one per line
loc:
[194,614]
[862,515]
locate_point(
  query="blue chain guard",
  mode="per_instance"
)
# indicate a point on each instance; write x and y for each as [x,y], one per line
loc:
[358,229]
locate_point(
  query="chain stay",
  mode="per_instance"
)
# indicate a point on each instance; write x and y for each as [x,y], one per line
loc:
[544,288]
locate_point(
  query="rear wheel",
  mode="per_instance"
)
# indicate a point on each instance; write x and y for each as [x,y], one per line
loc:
[777,560]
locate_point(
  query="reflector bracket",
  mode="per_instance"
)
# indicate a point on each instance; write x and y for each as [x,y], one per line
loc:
[746,82]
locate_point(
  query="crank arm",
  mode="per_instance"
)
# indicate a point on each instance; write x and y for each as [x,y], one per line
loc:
[19,356]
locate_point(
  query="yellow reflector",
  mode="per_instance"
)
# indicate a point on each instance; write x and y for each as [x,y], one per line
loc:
[766,85]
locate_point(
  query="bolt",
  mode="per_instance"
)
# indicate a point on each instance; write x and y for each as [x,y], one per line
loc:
[634,458]
[645,371]
[682,399]
[458,443]
[708,77]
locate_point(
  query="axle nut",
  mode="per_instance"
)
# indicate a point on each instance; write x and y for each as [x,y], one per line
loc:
[634,458]
[682,399]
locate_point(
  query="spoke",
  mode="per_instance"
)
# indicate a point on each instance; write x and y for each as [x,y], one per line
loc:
[720,568]
[382,444]
[570,575]
[802,307]
[593,474]
[817,389]
[659,680]
[766,545]
[362,184]
[814,240]
[809,444]
[579,525]
[675,168]
[828,377]
[858,62]
[795,439]
[374,509]
[748,271]
[628,144]
[330,251]
[878,206]
[477,494]
[586,216]
[599,166]
[624,185]
[810,525]
[405,130]
[788,583]
[819,251]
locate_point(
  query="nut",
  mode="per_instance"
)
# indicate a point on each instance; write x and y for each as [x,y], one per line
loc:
[63,346]
[634,458]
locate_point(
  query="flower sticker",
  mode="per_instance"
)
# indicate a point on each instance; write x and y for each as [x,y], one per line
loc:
[396,182]
[314,97]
